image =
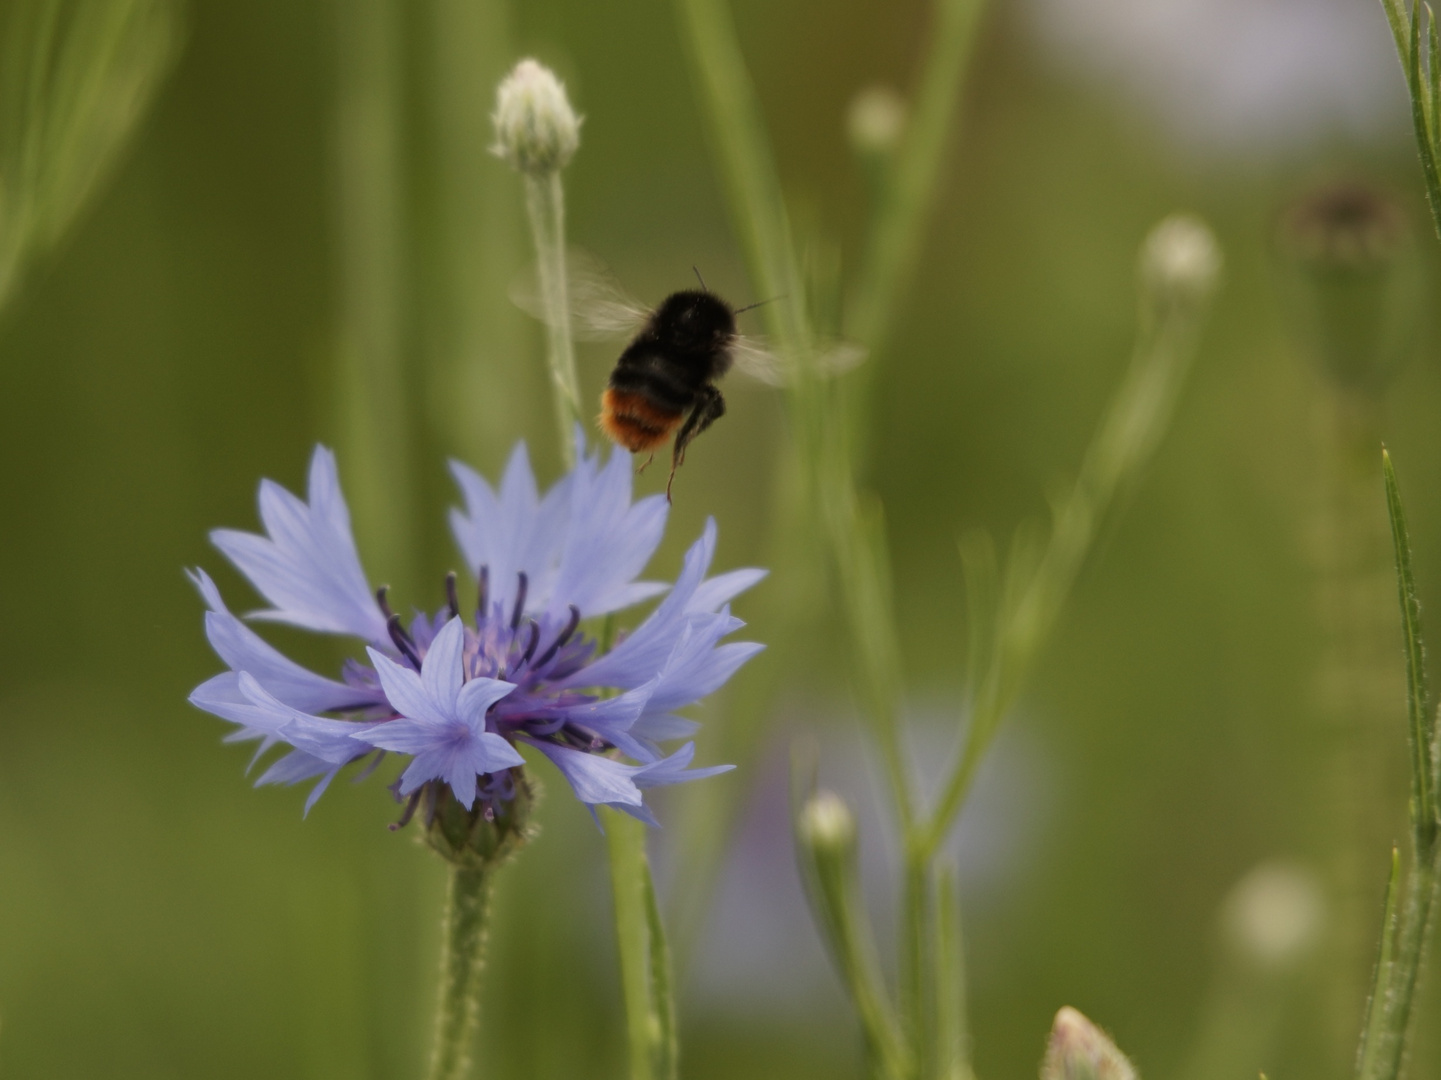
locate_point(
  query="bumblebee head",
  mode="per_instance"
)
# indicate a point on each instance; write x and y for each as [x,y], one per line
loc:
[695,319]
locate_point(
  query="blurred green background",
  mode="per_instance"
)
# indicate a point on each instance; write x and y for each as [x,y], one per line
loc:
[159,918]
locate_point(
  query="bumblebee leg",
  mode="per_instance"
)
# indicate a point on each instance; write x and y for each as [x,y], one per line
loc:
[710,406]
[646,463]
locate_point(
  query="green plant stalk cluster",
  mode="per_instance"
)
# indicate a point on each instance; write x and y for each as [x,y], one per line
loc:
[75,81]
[933,1042]
[1423,82]
[1410,893]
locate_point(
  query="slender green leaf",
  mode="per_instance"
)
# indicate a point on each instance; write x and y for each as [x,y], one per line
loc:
[665,1042]
[1415,79]
[1421,724]
[1373,1037]
[1400,21]
[1433,73]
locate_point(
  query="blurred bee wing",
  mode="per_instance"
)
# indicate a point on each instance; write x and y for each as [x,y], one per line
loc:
[600,308]
[753,356]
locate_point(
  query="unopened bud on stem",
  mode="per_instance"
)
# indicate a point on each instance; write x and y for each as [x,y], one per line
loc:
[1273,915]
[1079,1050]
[875,121]
[1180,262]
[536,130]
[1354,280]
[826,825]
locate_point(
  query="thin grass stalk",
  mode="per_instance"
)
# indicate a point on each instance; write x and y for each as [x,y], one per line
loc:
[478,396]
[952,1056]
[375,423]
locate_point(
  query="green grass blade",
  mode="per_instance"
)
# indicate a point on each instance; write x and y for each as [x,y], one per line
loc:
[665,1043]
[1400,21]
[1416,83]
[1433,73]
[1420,723]
[1373,1038]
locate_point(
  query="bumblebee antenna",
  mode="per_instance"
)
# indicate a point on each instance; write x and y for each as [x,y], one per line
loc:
[700,279]
[760,303]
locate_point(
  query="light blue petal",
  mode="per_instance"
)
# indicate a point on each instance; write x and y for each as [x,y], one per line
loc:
[441,676]
[475,699]
[307,566]
[697,670]
[460,775]
[663,727]
[642,654]
[722,588]
[609,540]
[329,740]
[491,753]
[612,718]
[406,736]
[672,770]
[403,690]
[244,650]
[596,780]
[512,532]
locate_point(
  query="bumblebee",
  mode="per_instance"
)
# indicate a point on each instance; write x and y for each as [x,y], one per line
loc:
[664,381]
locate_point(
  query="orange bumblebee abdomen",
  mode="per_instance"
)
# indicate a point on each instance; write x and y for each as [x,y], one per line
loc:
[634,421]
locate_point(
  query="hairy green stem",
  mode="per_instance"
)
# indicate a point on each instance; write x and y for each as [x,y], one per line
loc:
[953,1061]
[918,960]
[644,957]
[467,907]
[545,206]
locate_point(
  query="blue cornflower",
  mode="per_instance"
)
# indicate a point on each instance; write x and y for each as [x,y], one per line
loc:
[457,694]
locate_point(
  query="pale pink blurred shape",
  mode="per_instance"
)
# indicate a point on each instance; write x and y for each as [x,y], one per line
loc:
[1237,77]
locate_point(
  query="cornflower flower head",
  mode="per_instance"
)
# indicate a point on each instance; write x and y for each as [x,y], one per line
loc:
[458,691]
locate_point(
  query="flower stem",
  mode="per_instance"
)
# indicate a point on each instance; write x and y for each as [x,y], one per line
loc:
[644,955]
[467,908]
[545,206]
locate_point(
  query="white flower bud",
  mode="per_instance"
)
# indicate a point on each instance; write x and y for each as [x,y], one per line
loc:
[1273,914]
[876,120]
[1180,260]
[536,130]
[1079,1050]
[826,824]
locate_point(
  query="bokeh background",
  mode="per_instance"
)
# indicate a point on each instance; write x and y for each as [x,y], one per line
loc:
[158,918]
